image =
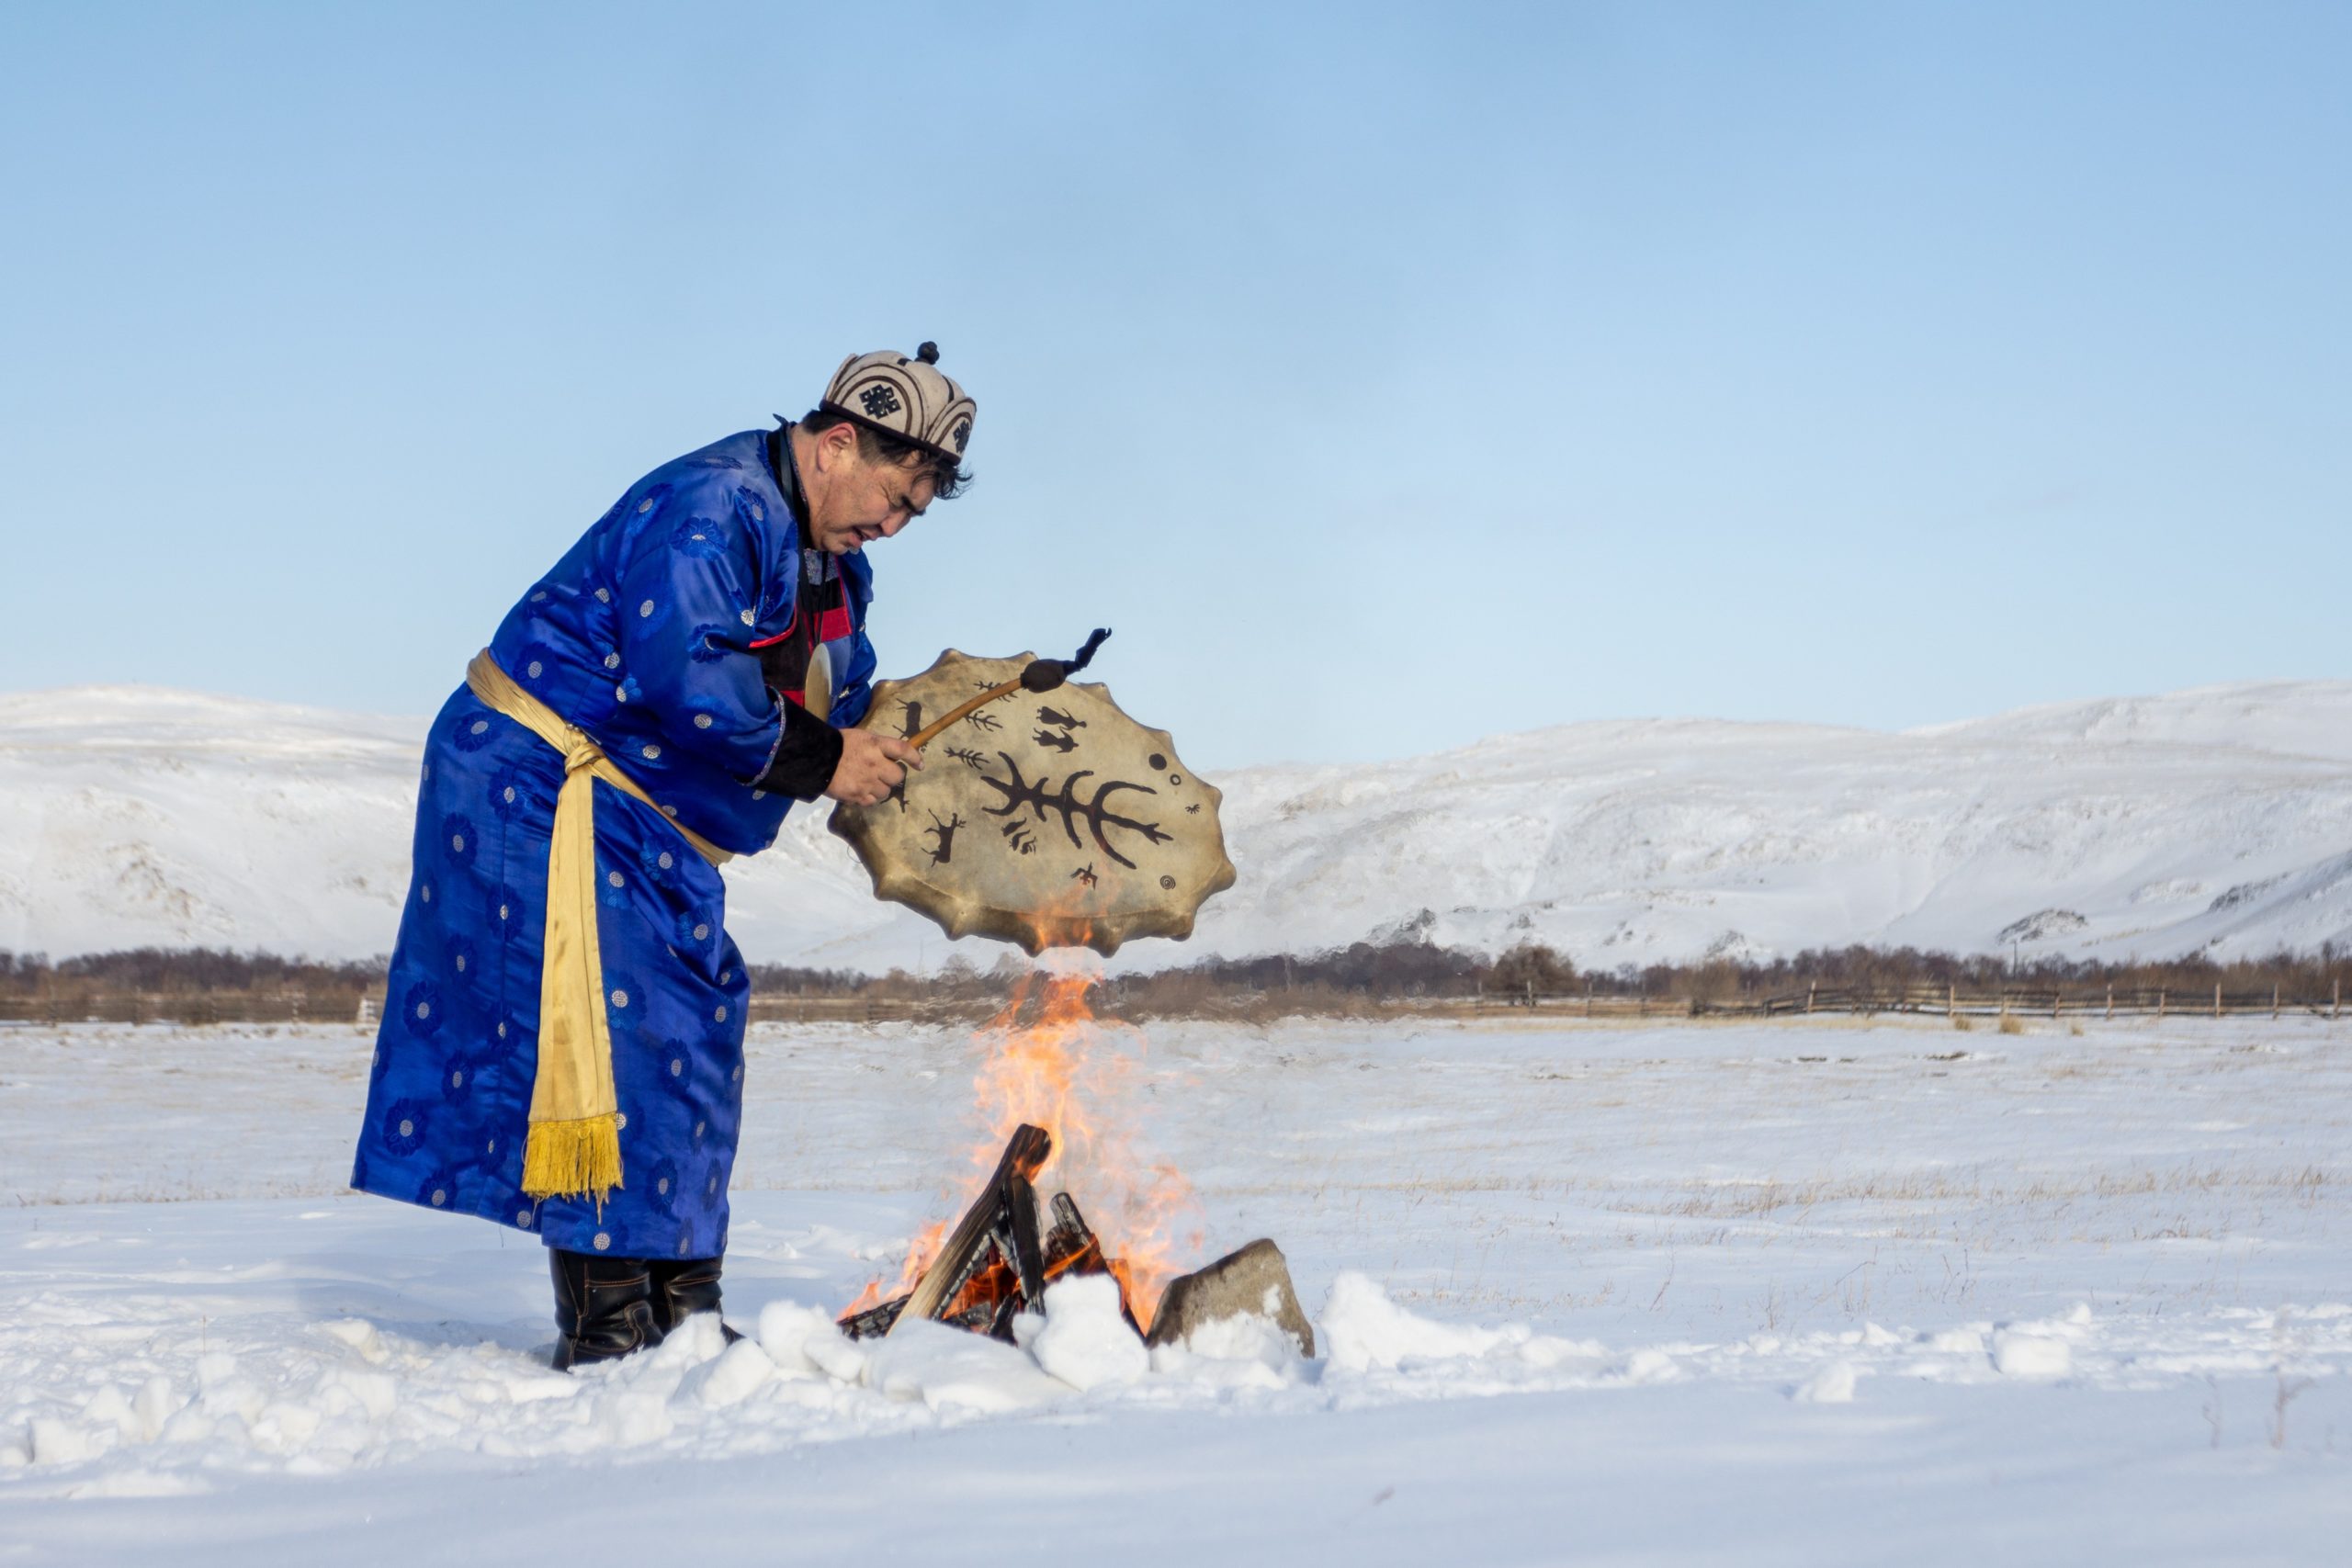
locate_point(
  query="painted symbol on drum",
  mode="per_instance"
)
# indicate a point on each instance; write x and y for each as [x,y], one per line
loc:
[1042,797]
[943,837]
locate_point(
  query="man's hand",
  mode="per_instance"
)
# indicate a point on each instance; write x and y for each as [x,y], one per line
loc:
[870,767]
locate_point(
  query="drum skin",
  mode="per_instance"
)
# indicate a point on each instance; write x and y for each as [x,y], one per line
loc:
[1044,820]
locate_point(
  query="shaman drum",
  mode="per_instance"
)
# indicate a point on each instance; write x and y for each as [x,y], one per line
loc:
[1049,820]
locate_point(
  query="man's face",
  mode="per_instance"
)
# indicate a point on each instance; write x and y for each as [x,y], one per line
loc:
[860,502]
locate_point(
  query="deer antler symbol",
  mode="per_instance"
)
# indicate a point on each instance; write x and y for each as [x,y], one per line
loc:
[1042,797]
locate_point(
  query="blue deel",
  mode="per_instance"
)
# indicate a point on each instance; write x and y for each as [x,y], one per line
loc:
[641,636]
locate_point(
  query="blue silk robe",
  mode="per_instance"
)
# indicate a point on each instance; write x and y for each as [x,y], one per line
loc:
[642,636]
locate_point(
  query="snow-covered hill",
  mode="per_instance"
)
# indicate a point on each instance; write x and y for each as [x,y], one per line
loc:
[2217,818]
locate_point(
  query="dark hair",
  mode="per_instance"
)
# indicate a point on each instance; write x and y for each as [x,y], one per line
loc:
[949,476]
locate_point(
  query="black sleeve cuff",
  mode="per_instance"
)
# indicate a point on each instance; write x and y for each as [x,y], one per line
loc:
[805,756]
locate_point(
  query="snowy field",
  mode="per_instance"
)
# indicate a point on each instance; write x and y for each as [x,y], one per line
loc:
[1757,1295]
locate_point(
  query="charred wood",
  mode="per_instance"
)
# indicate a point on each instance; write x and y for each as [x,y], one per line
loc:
[1028,1251]
[875,1321]
[970,1242]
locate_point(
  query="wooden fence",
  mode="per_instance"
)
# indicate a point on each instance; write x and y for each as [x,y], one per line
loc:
[191,1006]
[1949,1001]
[297,1007]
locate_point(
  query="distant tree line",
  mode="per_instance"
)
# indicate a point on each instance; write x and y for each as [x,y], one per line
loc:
[1363,976]
[189,970]
[1725,979]
[1360,978]
[182,971]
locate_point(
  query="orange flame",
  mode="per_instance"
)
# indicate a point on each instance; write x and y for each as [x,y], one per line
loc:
[1077,1075]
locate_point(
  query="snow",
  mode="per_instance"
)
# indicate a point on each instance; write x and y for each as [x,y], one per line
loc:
[1365,1330]
[2213,819]
[951,1371]
[1777,1293]
[2019,1353]
[1232,1352]
[1084,1342]
[1833,1384]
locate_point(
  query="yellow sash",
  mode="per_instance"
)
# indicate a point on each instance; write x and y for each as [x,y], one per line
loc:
[573,1147]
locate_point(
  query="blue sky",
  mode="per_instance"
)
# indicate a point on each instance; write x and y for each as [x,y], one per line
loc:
[1387,376]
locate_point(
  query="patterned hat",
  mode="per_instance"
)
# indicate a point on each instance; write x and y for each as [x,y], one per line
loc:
[906,398]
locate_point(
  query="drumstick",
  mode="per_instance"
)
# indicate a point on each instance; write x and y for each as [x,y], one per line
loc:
[1039,675]
[930,732]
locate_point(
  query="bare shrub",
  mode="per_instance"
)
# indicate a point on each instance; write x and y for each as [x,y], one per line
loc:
[1531,968]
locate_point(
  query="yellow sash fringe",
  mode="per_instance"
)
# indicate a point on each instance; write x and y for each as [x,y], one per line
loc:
[573,1147]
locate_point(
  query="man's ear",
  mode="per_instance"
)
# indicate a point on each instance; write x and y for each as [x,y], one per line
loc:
[836,447]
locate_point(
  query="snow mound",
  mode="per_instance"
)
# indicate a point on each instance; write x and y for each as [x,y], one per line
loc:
[1246,1350]
[949,1369]
[732,1377]
[1365,1330]
[1834,1384]
[805,1341]
[1086,1341]
[2040,1350]
[2020,1355]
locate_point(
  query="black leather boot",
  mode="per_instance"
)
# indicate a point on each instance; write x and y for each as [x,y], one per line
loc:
[684,1288]
[604,1307]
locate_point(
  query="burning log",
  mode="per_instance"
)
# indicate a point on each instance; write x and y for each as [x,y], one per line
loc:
[1028,1248]
[995,1265]
[1025,1155]
[1072,1247]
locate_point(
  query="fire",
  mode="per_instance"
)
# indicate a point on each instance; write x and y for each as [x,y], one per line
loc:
[1078,1077]
[868,1297]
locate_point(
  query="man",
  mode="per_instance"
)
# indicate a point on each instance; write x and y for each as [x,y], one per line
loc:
[561,1048]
